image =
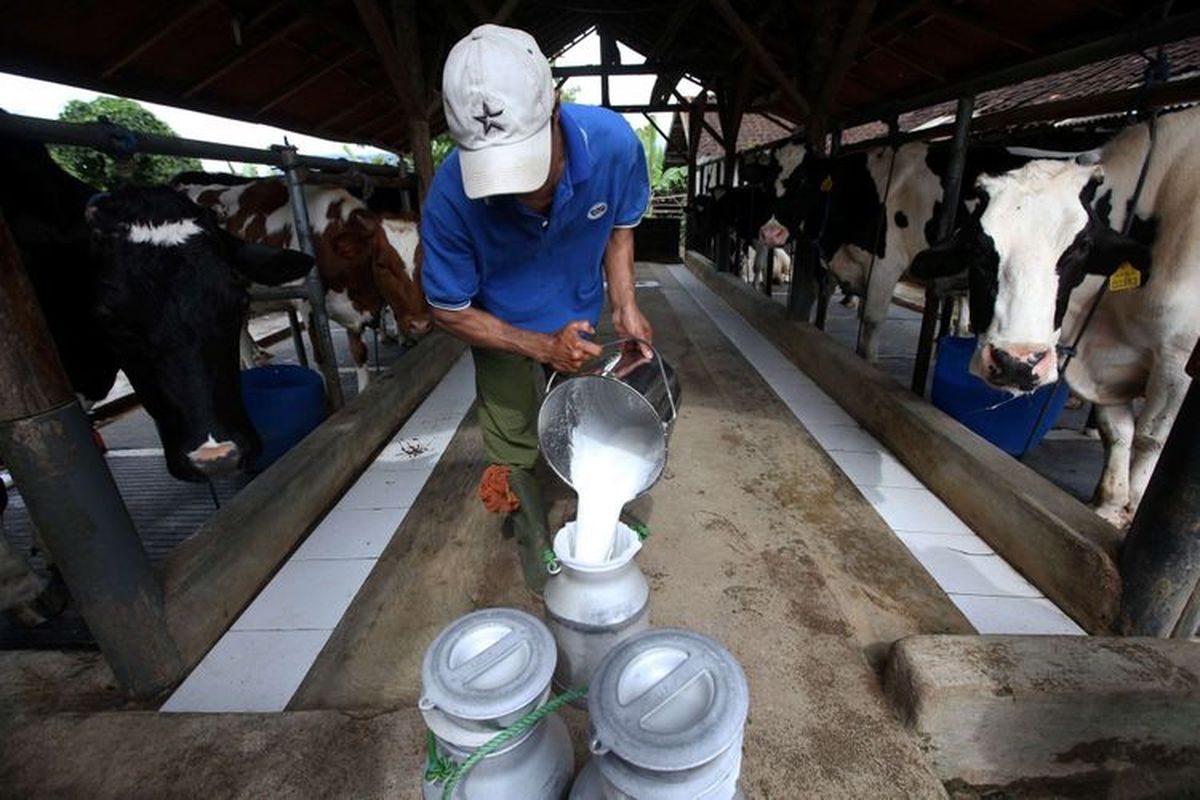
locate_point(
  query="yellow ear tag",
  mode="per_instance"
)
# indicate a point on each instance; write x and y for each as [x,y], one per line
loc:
[1124,277]
[827,184]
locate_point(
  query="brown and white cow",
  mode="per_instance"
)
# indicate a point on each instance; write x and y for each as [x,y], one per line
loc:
[365,259]
[1041,245]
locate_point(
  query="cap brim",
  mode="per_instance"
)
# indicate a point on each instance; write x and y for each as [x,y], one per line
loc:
[507,168]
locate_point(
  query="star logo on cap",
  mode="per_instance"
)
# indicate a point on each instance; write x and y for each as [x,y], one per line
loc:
[487,119]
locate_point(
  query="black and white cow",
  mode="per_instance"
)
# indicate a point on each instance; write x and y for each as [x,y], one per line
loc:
[144,280]
[839,203]
[1041,245]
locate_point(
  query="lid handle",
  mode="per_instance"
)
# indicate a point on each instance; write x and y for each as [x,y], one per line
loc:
[489,657]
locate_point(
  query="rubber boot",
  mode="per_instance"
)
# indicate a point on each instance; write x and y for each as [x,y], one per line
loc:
[529,528]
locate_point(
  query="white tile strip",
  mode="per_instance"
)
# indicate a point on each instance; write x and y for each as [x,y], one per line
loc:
[993,596]
[260,662]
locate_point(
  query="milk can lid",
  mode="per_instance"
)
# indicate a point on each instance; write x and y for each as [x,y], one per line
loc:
[488,664]
[667,699]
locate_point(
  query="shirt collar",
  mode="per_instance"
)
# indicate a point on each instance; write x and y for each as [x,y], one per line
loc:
[579,156]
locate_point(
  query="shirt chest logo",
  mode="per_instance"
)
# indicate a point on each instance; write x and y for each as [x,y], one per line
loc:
[597,211]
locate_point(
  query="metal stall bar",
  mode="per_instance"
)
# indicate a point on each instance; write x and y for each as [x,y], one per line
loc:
[318,316]
[951,191]
[1160,560]
[115,139]
[47,442]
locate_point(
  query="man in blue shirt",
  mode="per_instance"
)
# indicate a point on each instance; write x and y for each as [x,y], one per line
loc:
[523,223]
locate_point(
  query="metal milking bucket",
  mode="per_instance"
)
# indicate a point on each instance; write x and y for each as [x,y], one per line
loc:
[622,396]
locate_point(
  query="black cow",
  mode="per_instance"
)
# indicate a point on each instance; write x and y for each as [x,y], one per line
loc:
[144,280]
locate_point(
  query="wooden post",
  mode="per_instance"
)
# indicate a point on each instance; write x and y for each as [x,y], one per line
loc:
[1160,560]
[405,75]
[609,56]
[404,19]
[951,190]
[72,499]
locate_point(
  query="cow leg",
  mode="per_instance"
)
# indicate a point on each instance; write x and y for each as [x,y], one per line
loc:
[247,348]
[358,351]
[874,314]
[389,327]
[1116,432]
[1164,395]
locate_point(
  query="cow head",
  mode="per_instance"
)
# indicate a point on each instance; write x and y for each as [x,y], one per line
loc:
[398,273]
[1032,239]
[171,295]
[363,243]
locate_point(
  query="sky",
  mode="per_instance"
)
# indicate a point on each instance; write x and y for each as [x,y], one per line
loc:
[35,98]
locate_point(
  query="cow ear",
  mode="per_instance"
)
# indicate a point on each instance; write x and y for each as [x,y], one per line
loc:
[942,260]
[1110,249]
[270,266]
[364,221]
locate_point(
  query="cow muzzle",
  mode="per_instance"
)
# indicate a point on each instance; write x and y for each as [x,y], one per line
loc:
[773,234]
[420,326]
[215,458]
[1020,367]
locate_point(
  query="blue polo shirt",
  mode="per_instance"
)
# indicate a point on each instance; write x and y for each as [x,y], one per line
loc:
[533,271]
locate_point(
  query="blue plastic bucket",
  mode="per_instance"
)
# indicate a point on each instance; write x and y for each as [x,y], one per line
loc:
[284,402]
[996,415]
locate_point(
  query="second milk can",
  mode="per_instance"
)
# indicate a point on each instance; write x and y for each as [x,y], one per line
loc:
[590,608]
[482,673]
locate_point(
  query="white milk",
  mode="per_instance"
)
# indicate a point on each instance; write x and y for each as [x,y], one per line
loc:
[606,477]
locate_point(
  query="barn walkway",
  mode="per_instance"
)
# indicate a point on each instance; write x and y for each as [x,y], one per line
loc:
[1070,457]
[804,578]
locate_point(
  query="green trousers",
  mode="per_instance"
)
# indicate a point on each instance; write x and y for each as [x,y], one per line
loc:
[509,388]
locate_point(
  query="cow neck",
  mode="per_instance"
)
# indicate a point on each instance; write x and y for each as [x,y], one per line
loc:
[880,230]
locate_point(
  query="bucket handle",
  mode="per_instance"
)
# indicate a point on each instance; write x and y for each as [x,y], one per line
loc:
[615,359]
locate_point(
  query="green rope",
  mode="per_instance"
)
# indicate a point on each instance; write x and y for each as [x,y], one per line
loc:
[550,561]
[642,531]
[436,769]
[437,766]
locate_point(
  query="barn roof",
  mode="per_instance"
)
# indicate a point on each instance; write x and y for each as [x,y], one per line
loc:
[315,65]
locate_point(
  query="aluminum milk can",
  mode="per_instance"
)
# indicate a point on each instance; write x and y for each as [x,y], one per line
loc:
[481,674]
[620,397]
[667,710]
[590,608]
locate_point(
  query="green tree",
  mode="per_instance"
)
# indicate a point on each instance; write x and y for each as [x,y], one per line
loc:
[654,153]
[100,169]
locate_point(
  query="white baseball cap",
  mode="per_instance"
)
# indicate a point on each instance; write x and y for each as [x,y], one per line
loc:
[499,96]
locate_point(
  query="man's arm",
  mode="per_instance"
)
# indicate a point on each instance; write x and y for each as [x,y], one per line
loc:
[565,351]
[618,268]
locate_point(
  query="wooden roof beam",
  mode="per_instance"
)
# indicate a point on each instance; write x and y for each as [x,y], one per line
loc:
[977,25]
[914,63]
[760,55]
[843,57]
[307,82]
[671,30]
[245,55]
[385,50]
[698,108]
[152,38]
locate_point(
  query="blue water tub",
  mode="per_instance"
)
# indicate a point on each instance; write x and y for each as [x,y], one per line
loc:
[285,403]
[1004,420]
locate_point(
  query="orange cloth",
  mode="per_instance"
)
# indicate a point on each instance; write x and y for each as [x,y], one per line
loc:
[495,492]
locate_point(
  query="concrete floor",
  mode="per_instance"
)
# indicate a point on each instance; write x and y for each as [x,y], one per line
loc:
[802,580]
[758,539]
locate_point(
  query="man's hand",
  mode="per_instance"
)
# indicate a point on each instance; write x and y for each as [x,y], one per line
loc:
[568,350]
[629,321]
